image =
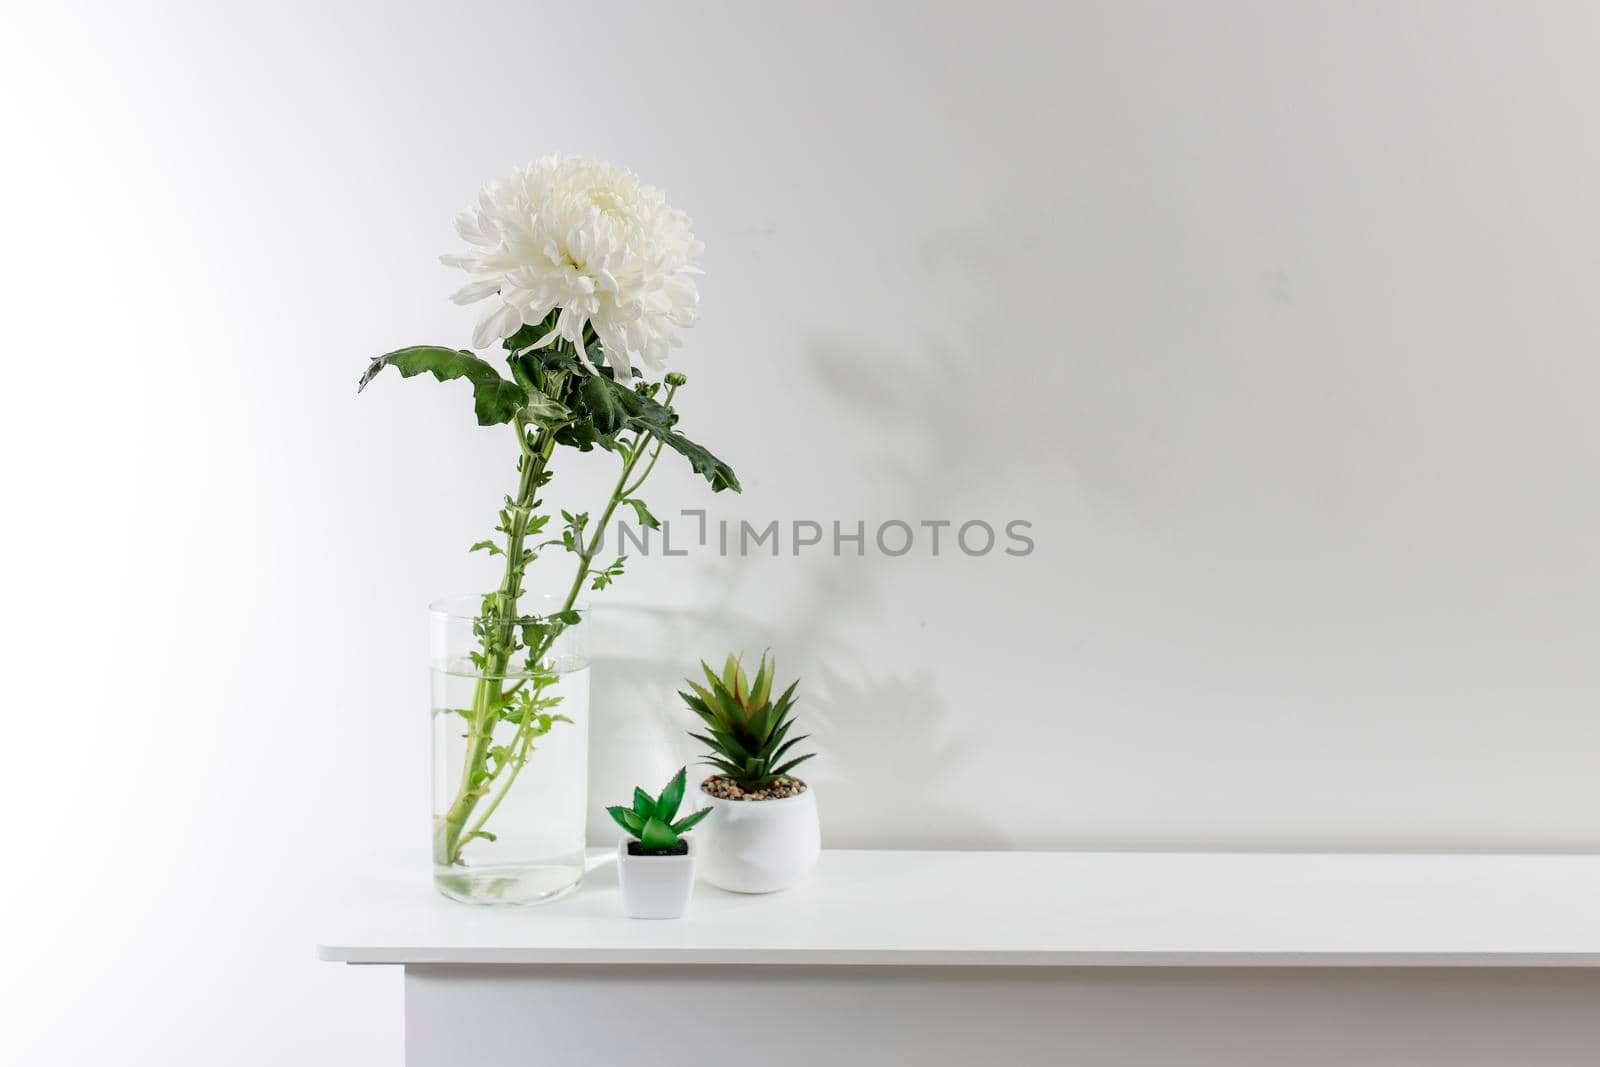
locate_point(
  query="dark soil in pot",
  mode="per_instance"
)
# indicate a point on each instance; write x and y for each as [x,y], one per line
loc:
[721,786]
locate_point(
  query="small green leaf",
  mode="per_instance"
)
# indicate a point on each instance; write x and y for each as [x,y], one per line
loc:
[688,822]
[732,770]
[788,696]
[546,412]
[581,434]
[643,513]
[487,546]
[672,796]
[761,688]
[711,677]
[706,741]
[657,835]
[642,803]
[791,765]
[626,819]
[604,405]
[783,749]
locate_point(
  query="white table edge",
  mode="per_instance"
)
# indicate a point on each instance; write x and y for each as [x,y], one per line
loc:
[1507,911]
[361,955]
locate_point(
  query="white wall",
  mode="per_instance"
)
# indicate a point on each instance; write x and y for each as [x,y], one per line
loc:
[1277,321]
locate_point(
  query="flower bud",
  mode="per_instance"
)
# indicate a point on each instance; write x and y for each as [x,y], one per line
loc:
[674,378]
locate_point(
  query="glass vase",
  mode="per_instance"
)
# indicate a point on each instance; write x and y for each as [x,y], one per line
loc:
[510,751]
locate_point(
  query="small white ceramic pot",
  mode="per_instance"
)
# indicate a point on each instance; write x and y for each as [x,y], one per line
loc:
[759,846]
[655,887]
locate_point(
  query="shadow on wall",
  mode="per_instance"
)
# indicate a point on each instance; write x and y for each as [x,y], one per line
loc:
[890,733]
[882,741]
[919,436]
[927,432]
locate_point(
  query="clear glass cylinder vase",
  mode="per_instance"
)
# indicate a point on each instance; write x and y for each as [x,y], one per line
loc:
[510,750]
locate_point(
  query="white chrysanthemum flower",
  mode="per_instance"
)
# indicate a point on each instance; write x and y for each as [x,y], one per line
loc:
[588,238]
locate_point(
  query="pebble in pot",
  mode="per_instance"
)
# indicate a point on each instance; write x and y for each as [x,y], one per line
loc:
[655,862]
[766,835]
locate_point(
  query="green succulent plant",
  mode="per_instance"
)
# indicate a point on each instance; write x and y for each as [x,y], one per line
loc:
[650,819]
[747,732]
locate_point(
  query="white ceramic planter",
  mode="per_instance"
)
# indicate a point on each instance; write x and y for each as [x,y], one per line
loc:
[655,887]
[759,846]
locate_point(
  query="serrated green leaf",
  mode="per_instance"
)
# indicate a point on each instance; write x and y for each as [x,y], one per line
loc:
[603,403]
[706,741]
[787,696]
[791,765]
[708,466]
[688,822]
[711,677]
[779,752]
[732,770]
[525,373]
[762,686]
[643,804]
[642,513]
[494,399]
[672,796]
[603,397]
[730,745]
[626,819]
[581,434]
[487,546]
[779,734]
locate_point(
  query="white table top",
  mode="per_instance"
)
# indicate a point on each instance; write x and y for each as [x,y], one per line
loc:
[1026,909]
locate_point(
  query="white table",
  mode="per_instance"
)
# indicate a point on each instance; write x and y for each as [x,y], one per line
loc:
[1025,957]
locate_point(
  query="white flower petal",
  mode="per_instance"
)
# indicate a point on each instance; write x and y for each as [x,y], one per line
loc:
[497,322]
[468,230]
[475,291]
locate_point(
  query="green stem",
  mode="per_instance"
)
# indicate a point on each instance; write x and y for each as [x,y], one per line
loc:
[620,492]
[498,646]
[520,746]
[648,467]
[489,698]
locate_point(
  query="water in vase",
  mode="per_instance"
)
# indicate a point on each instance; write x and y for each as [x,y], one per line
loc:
[516,835]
